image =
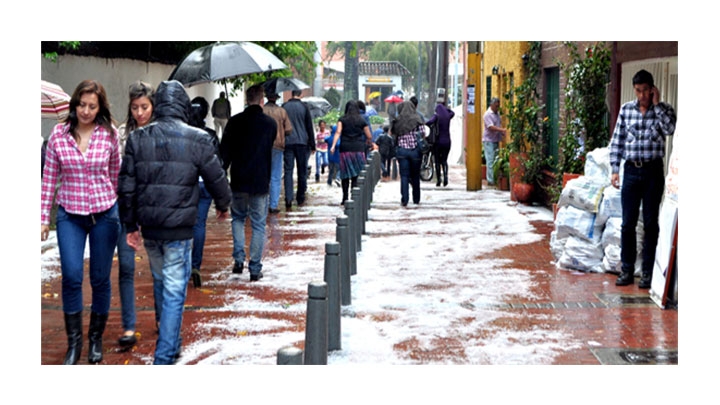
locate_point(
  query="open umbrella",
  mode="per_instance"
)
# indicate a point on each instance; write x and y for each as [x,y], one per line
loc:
[280,84]
[318,106]
[373,95]
[224,60]
[393,99]
[54,102]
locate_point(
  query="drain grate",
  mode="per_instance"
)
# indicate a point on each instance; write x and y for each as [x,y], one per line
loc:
[625,300]
[627,356]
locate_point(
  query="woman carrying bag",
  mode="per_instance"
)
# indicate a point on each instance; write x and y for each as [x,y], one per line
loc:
[408,130]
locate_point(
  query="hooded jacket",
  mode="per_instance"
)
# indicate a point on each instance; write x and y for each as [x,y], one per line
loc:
[158,185]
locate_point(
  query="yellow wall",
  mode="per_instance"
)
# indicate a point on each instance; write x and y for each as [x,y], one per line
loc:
[507,55]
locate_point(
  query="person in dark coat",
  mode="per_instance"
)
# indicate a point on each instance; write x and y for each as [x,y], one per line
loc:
[159,194]
[298,145]
[386,149]
[441,147]
[246,148]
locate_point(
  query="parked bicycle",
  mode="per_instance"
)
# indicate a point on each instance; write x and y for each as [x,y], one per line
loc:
[427,166]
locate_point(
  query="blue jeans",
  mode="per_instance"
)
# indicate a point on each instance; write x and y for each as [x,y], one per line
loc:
[333,172]
[256,207]
[293,154]
[409,161]
[640,185]
[73,231]
[276,173]
[321,159]
[199,228]
[490,149]
[126,280]
[170,267]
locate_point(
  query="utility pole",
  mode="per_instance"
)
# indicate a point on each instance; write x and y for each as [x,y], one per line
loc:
[473,118]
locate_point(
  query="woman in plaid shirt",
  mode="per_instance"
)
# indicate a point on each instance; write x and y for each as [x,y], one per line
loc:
[83,153]
[406,129]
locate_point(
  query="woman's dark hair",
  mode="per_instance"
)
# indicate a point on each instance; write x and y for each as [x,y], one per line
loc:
[103,117]
[352,108]
[198,111]
[135,91]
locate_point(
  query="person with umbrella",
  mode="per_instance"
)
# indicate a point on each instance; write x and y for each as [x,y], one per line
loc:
[83,154]
[297,146]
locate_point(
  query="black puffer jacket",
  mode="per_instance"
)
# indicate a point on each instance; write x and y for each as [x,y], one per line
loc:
[158,187]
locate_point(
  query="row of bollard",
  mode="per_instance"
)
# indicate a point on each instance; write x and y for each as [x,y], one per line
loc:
[325,298]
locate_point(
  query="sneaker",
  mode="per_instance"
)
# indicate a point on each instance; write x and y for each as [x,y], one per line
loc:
[238,268]
[256,277]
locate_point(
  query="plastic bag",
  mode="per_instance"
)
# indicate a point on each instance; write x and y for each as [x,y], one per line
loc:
[580,254]
[572,221]
[597,165]
[583,192]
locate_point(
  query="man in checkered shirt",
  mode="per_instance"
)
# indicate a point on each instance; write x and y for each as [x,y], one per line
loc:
[639,139]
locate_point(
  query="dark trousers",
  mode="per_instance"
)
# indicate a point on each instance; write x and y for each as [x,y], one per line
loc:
[641,185]
[441,156]
[295,154]
[409,161]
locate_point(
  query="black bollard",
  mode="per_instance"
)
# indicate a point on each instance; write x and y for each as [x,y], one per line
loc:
[357,225]
[341,235]
[289,355]
[363,186]
[352,251]
[332,279]
[316,327]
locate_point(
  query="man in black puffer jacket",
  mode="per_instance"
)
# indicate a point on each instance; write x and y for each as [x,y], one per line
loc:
[159,193]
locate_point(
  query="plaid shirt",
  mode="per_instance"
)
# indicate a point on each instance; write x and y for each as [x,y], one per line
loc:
[639,137]
[409,140]
[88,181]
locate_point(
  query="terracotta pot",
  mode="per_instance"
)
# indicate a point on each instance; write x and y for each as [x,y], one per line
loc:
[569,176]
[517,170]
[523,191]
[503,184]
[484,172]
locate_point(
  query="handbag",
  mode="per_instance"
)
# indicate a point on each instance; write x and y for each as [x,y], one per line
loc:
[422,143]
[434,133]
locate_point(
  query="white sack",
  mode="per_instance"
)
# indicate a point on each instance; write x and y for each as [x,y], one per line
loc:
[597,165]
[583,193]
[580,254]
[572,221]
[610,205]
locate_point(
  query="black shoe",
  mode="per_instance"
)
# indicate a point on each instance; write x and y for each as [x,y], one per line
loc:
[197,281]
[437,184]
[238,268]
[126,341]
[645,281]
[273,210]
[625,278]
[317,179]
[288,205]
[445,182]
[73,329]
[256,276]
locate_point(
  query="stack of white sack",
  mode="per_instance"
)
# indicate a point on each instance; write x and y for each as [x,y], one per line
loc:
[587,205]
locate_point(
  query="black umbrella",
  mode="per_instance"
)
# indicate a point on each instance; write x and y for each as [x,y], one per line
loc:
[318,106]
[224,60]
[280,84]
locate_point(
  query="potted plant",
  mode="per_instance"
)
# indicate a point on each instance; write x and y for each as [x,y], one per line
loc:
[501,169]
[532,167]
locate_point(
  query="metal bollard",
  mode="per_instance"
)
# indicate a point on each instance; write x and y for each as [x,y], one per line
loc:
[363,186]
[289,355]
[316,328]
[357,225]
[341,235]
[352,251]
[332,279]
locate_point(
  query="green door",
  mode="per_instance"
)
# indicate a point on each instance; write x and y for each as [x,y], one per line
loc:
[552,106]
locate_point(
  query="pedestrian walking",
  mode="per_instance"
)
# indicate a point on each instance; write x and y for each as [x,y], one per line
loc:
[159,197]
[298,145]
[441,146]
[284,128]
[140,113]
[221,111]
[198,112]
[333,159]
[493,134]
[355,136]
[639,140]
[83,154]
[387,150]
[406,129]
[247,151]
[321,153]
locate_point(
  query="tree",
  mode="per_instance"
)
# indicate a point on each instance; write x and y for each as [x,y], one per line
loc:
[352,50]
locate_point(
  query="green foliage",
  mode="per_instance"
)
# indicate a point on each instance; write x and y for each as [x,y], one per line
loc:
[523,107]
[587,76]
[331,118]
[333,97]
[62,44]
[377,120]
[501,165]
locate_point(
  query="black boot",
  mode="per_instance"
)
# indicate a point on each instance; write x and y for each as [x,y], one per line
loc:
[445,175]
[625,278]
[95,332]
[73,329]
[645,280]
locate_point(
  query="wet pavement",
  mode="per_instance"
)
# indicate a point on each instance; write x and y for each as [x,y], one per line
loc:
[600,322]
